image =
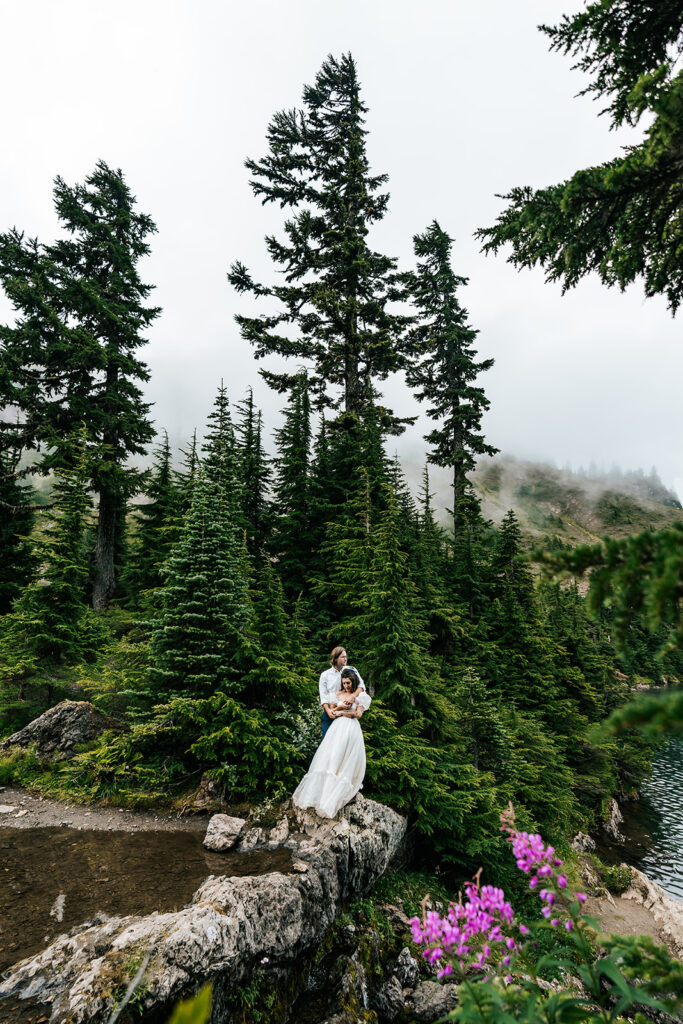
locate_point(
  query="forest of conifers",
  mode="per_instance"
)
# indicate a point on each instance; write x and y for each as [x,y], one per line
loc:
[196,600]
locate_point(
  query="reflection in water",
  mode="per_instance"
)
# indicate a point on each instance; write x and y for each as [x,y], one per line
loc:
[54,878]
[654,824]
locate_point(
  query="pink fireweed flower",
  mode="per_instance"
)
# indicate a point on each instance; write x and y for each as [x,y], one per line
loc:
[445,971]
[569,925]
[562,881]
[581,897]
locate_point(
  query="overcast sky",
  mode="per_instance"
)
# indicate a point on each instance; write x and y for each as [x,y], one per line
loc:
[465,102]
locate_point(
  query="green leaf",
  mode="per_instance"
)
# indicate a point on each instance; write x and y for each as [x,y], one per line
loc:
[195,1010]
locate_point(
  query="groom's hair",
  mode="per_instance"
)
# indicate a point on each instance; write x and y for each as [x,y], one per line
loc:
[335,654]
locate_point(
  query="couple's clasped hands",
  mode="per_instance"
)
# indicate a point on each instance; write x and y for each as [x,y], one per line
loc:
[343,709]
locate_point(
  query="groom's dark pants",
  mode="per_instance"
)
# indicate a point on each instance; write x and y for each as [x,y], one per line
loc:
[327,722]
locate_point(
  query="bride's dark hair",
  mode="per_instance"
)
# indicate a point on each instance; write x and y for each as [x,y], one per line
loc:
[350,673]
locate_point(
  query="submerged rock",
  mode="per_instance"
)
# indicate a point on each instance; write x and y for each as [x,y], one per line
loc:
[230,925]
[60,730]
[223,832]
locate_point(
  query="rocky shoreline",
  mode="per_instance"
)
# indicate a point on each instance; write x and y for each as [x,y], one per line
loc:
[230,927]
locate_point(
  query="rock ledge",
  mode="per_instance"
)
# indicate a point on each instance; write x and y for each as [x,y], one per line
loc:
[229,927]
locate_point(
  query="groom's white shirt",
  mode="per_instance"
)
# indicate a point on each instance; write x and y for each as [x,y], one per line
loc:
[330,683]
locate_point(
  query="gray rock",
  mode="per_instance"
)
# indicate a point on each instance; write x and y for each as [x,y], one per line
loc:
[388,1000]
[60,730]
[583,843]
[615,819]
[251,839]
[667,911]
[431,1000]
[406,969]
[279,833]
[223,832]
[230,924]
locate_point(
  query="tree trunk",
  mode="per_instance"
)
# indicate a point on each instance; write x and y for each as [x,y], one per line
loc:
[105,546]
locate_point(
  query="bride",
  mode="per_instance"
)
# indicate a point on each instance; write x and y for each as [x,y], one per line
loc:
[338,766]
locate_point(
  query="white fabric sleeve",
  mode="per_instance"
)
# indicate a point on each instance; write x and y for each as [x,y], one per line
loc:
[322,689]
[364,699]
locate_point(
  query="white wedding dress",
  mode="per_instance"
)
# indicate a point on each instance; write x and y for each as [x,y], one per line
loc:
[337,769]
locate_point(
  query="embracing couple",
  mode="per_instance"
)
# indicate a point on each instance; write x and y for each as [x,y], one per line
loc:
[338,766]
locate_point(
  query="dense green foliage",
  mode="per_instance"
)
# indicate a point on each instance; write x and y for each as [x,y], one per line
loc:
[70,358]
[242,572]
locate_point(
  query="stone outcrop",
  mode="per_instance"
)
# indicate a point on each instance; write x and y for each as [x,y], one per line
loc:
[430,1001]
[60,730]
[667,911]
[583,843]
[231,925]
[223,831]
[614,820]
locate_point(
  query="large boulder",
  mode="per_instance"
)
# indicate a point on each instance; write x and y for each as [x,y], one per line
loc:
[60,730]
[223,831]
[230,926]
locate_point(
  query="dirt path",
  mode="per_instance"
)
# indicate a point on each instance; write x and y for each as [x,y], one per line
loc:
[21,809]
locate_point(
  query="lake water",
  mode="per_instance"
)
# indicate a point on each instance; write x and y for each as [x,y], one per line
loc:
[653,825]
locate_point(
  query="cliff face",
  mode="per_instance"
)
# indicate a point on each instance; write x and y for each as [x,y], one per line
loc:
[231,925]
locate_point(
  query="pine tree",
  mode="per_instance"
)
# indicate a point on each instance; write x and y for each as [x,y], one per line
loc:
[253,474]
[158,527]
[16,523]
[204,606]
[48,620]
[218,452]
[446,368]
[291,542]
[71,357]
[187,475]
[335,300]
[396,643]
[270,619]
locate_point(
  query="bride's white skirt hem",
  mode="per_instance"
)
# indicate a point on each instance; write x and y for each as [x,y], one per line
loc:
[337,770]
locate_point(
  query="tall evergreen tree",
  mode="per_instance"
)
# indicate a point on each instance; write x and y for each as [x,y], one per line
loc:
[291,490]
[204,606]
[16,523]
[71,357]
[253,474]
[158,527]
[186,476]
[390,628]
[336,298]
[47,621]
[219,457]
[446,369]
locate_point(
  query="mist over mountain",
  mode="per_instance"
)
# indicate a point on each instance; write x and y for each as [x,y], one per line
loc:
[577,506]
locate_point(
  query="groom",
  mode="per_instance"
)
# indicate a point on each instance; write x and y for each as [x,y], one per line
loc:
[330,683]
